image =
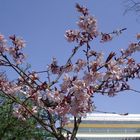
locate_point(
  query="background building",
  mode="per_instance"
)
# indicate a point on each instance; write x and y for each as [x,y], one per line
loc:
[109,127]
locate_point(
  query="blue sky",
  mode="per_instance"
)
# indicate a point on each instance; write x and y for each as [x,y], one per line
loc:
[42,23]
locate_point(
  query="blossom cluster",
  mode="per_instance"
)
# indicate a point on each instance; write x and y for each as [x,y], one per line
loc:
[87,28]
[15,51]
[7,86]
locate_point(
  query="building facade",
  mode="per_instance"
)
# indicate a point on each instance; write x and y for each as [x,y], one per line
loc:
[109,127]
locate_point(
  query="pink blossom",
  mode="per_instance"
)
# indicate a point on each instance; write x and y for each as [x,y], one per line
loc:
[82,9]
[105,37]
[132,48]
[88,24]
[72,35]
[66,83]
[138,36]
[18,57]
[88,78]
[34,109]
[114,69]
[20,43]
[17,41]
[3,46]
[80,64]
[8,87]
[1,37]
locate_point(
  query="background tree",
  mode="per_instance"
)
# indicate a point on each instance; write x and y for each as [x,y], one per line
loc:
[12,128]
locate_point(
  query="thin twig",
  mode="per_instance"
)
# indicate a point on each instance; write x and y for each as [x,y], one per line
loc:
[68,61]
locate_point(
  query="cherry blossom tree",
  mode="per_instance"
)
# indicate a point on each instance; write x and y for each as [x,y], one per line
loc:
[69,89]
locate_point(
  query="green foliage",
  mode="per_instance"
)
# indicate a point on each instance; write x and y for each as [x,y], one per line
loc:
[12,128]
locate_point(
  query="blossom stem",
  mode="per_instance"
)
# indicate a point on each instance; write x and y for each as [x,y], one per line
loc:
[68,61]
[77,122]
